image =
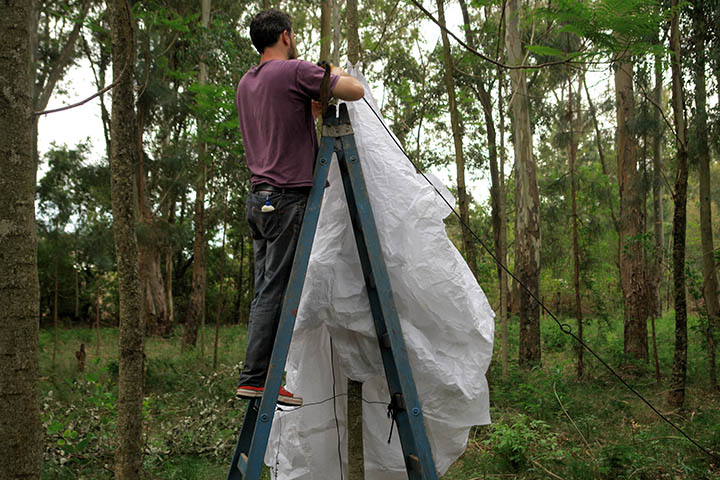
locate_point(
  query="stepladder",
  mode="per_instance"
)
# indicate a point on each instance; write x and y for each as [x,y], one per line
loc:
[338,141]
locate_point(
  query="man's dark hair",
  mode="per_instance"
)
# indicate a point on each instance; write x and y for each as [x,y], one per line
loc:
[267,26]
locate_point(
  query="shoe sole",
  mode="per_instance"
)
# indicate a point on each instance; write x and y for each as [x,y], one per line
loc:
[282,400]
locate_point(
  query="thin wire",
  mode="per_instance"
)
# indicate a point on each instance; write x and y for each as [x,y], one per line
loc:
[564,327]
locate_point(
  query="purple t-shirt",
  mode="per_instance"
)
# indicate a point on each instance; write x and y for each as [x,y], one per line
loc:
[278,129]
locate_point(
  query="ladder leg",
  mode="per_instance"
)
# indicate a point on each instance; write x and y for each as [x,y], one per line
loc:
[409,417]
[244,439]
[259,435]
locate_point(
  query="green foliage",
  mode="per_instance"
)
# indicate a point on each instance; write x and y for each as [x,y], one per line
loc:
[523,439]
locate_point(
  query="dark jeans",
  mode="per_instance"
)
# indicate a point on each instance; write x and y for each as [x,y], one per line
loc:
[275,235]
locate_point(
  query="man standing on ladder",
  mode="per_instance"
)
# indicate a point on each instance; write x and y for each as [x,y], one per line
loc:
[277,101]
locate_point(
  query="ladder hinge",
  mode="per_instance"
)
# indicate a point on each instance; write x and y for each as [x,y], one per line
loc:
[336,131]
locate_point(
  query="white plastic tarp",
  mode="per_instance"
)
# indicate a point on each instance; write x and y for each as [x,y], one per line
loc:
[445,317]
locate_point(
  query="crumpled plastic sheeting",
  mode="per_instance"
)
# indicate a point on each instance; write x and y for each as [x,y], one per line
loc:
[446,321]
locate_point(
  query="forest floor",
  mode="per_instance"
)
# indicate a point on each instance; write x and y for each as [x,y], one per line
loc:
[546,423]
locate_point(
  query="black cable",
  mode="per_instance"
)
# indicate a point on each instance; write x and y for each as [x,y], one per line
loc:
[564,327]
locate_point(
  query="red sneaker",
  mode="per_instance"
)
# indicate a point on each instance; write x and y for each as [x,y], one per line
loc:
[284,398]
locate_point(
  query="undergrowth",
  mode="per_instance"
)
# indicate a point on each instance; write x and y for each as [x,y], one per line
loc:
[546,422]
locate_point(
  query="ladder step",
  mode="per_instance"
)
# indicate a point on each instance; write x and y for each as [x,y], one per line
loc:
[413,463]
[242,464]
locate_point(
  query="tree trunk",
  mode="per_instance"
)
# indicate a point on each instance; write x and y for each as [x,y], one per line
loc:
[710,284]
[97,319]
[658,231]
[123,158]
[336,32]
[676,395]
[353,39]
[169,273]
[572,160]
[222,287]
[632,268]
[497,188]
[21,438]
[196,306]
[527,200]
[502,241]
[150,249]
[356,455]
[463,200]
[325,27]
[55,307]
[239,279]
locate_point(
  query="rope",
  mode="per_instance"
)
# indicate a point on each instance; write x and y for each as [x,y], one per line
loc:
[564,327]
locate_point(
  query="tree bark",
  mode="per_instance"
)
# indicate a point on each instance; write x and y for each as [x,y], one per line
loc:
[55,306]
[222,286]
[710,284]
[353,39]
[97,319]
[631,220]
[21,438]
[676,395]
[527,199]
[497,187]
[572,160]
[325,27]
[463,200]
[196,306]
[150,248]
[659,229]
[123,158]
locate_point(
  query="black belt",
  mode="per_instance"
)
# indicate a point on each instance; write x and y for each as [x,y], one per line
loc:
[266,187]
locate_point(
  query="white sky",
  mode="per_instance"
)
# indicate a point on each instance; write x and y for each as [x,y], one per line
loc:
[83,123]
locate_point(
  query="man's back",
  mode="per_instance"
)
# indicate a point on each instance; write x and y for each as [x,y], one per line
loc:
[274,107]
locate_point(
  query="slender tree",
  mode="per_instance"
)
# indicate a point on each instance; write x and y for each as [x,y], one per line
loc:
[572,161]
[325,29]
[353,39]
[463,198]
[497,186]
[676,395]
[631,220]
[710,283]
[527,198]
[656,266]
[123,158]
[196,307]
[21,437]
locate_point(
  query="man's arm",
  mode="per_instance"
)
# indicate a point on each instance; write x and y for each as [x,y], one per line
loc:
[346,88]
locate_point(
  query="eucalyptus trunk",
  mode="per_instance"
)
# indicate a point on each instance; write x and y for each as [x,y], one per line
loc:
[150,250]
[123,159]
[572,162]
[325,29]
[21,437]
[353,39]
[676,395]
[656,267]
[196,306]
[710,283]
[631,219]
[497,187]
[463,200]
[527,199]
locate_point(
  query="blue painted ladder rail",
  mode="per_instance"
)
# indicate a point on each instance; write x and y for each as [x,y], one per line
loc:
[252,442]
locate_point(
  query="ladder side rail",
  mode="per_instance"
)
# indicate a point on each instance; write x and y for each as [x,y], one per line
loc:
[291,301]
[244,439]
[392,347]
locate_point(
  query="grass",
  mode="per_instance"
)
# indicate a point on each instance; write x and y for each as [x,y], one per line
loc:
[546,423]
